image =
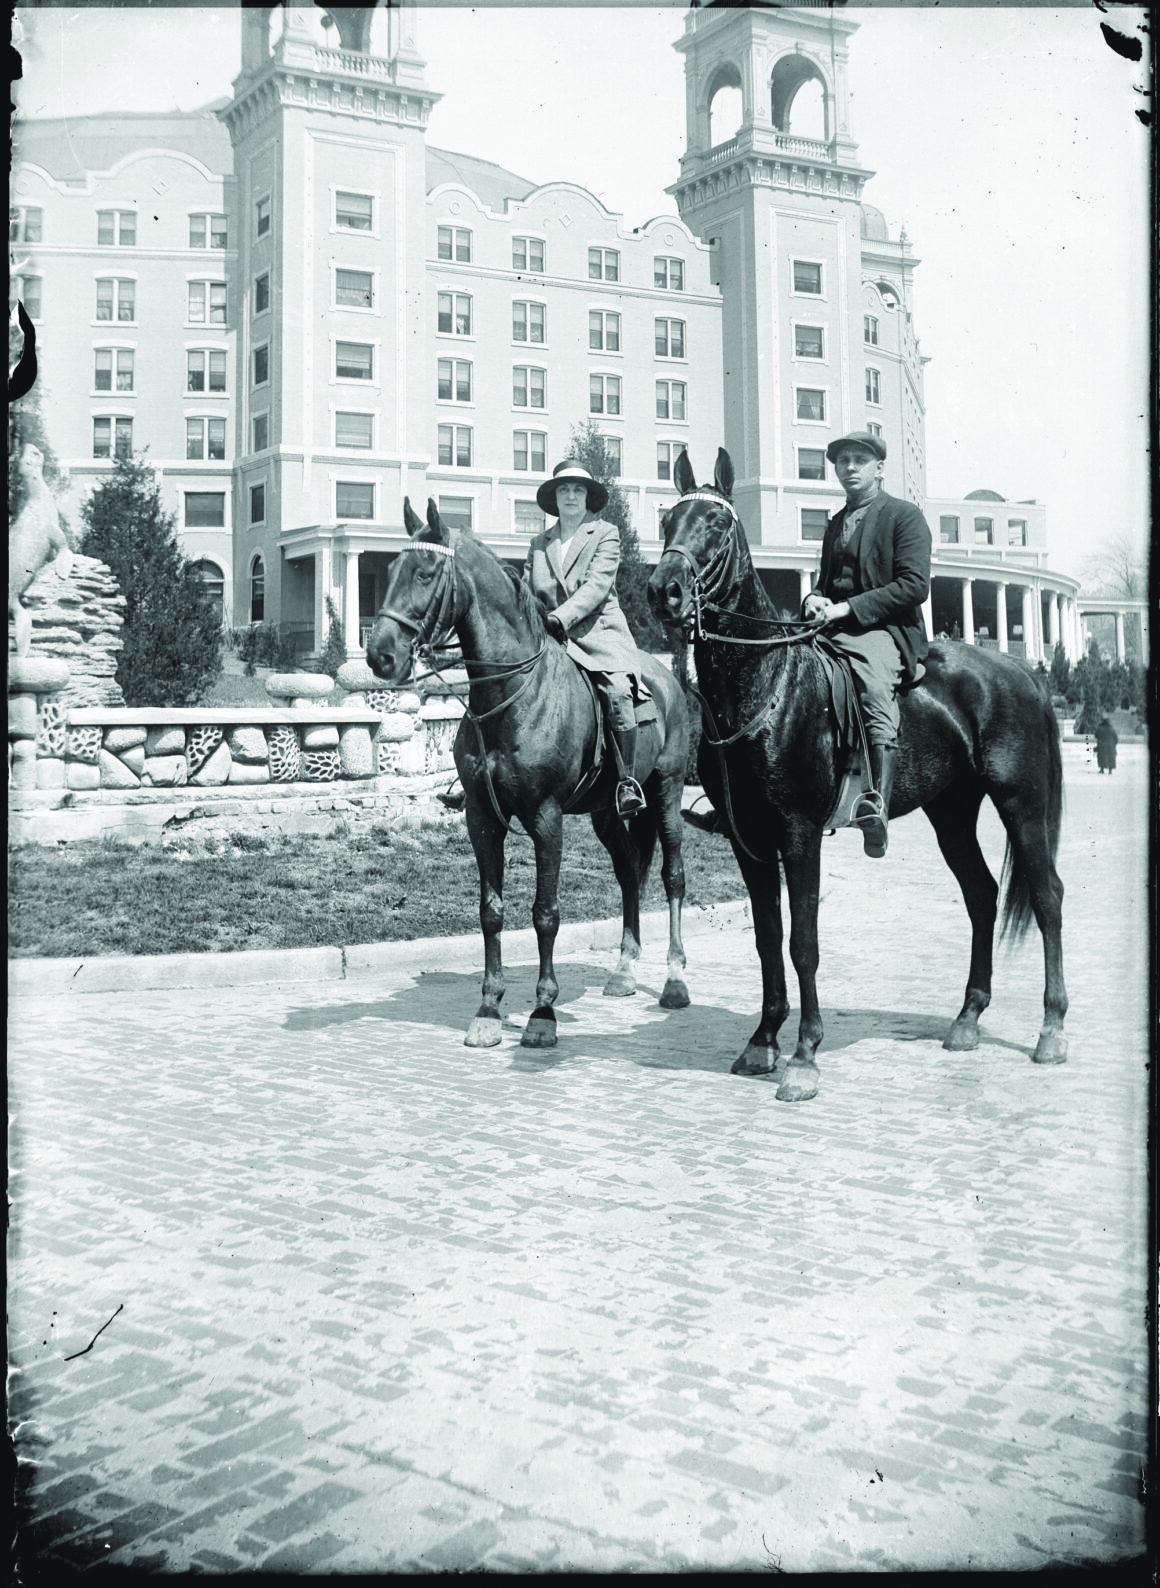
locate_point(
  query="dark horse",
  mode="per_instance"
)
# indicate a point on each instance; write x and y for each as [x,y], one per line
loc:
[532,729]
[977,724]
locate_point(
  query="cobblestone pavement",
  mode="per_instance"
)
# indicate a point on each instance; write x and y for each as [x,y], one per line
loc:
[382,1303]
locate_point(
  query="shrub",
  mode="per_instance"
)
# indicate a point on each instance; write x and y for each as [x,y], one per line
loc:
[264,645]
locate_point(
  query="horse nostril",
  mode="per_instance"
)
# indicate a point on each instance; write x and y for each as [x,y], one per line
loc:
[673,594]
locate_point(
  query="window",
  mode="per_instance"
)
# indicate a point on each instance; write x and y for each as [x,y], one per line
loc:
[262,217]
[1016,532]
[212,583]
[354,500]
[873,429]
[261,428]
[455,446]
[948,530]
[529,448]
[262,364]
[205,509]
[808,341]
[354,289]
[117,300]
[207,231]
[110,361]
[669,274]
[811,404]
[807,278]
[354,361]
[27,289]
[354,212]
[456,511]
[257,592]
[258,504]
[262,292]
[117,227]
[603,264]
[604,394]
[203,362]
[454,242]
[873,387]
[454,380]
[205,438]
[528,254]
[530,519]
[814,521]
[529,322]
[25,226]
[614,452]
[112,438]
[603,331]
[671,399]
[454,314]
[870,330]
[670,338]
[667,454]
[811,463]
[528,386]
[207,303]
[354,430]
[984,532]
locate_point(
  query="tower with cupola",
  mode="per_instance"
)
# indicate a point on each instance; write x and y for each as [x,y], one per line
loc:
[817,335]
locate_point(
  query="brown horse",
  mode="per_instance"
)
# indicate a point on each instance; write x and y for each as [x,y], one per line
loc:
[977,724]
[525,748]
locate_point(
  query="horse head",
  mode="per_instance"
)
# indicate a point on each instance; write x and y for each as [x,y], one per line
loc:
[418,608]
[699,534]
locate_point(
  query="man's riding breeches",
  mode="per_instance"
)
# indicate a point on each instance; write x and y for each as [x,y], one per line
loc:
[877,669]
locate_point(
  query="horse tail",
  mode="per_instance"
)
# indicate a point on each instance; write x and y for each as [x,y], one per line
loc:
[1018,911]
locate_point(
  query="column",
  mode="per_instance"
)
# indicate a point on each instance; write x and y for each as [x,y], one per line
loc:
[1121,653]
[323,582]
[1001,613]
[1033,650]
[968,614]
[928,618]
[350,622]
[805,582]
[1053,620]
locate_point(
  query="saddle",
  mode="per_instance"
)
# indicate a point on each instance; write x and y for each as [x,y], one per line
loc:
[644,710]
[853,751]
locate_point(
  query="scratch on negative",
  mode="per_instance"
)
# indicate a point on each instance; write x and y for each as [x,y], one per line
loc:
[95,1337]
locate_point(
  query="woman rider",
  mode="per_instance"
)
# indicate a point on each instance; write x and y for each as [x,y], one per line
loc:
[571,570]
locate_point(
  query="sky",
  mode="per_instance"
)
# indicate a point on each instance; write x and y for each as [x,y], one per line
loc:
[1005,139]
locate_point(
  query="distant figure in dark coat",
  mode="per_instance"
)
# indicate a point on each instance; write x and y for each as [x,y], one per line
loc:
[1106,740]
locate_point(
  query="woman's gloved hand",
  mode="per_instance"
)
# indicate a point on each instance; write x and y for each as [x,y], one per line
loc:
[555,628]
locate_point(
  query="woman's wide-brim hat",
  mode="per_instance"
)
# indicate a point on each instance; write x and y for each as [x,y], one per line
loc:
[569,474]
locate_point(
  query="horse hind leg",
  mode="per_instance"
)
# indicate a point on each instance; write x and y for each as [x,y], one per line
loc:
[625,842]
[954,815]
[1034,889]
[487,840]
[664,794]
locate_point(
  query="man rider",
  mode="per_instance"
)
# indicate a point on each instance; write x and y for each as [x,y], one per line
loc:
[874,577]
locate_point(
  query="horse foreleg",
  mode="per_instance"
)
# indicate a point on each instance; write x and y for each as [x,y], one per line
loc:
[762,1055]
[624,849]
[667,794]
[803,870]
[487,841]
[547,832]
[953,816]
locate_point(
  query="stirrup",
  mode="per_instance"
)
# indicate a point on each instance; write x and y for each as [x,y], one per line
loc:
[629,797]
[870,815]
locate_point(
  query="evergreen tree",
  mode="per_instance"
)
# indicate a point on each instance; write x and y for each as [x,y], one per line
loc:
[588,450]
[1060,671]
[333,653]
[172,634]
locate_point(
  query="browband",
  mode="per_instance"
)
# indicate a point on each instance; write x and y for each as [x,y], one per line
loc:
[708,496]
[436,546]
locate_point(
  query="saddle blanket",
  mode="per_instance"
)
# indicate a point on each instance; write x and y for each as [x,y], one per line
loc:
[854,777]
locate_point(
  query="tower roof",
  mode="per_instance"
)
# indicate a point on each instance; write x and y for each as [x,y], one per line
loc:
[874,227]
[489,182]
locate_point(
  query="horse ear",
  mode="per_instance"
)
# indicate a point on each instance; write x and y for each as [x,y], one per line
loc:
[683,475]
[435,521]
[412,523]
[723,473]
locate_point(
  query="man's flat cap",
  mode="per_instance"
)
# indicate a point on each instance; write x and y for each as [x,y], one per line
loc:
[860,438]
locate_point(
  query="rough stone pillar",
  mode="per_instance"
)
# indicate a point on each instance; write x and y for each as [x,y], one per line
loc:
[968,614]
[1001,613]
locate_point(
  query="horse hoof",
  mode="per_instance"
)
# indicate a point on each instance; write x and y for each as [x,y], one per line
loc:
[800,1084]
[961,1038]
[539,1033]
[619,985]
[1050,1049]
[675,994]
[483,1032]
[758,1061]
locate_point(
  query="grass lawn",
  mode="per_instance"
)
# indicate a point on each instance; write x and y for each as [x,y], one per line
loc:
[370,884]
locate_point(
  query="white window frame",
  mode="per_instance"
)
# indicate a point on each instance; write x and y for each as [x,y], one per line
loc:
[262,485]
[670,442]
[449,226]
[810,507]
[355,380]
[529,304]
[825,391]
[206,349]
[805,358]
[450,424]
[22,211]
[361,413]
[868,321]
[208,283]
[118,216]
[668,320]
[453,334]
[199,489]
[203,417]
[265,414]
[354,308]
[353,231]
[517,528]
[209,216]
[874,383]
[260,199]
[604,350]
[371,485]
[19,287]
[105,412]
[118,281]
[668,419]
[267,276]
[603,250]
[796,292]
[529,407]
[254,384]
[447,497]
[669,260]
[527,238]
[114,348]
[532,468]
[619,440]
[810,479]
[604,411]
[458,402]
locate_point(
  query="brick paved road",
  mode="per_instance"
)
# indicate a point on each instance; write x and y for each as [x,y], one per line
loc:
[389,1304]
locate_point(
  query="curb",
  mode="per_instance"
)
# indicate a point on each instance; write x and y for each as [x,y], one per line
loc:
[43,978]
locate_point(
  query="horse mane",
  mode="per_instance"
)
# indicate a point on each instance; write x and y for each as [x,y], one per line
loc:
[526,602]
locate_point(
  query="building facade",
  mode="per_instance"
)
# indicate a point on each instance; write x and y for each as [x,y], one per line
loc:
[304,312]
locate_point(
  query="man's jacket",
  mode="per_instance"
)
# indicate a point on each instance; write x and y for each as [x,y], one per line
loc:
[889,562]
[581,589]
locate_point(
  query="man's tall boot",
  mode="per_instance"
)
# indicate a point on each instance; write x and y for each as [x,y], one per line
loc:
[872,811]
[629,794]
